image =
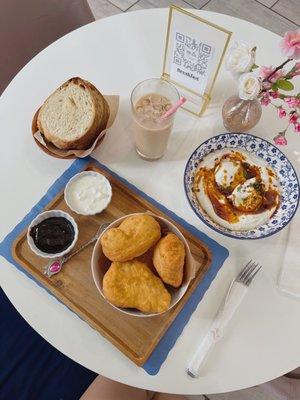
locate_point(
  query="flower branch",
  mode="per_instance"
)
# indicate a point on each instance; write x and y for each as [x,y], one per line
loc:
[267,83]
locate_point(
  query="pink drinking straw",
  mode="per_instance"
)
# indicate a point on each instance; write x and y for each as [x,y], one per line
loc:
[174,108]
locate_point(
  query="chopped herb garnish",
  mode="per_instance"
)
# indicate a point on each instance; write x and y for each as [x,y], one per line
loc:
[257,186]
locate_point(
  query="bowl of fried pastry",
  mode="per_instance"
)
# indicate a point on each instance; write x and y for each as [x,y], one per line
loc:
[142,264]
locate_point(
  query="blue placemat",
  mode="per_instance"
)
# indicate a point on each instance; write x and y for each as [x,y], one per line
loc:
[219,254]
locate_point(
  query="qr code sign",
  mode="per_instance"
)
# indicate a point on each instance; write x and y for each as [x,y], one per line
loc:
[191,54]
[191,60]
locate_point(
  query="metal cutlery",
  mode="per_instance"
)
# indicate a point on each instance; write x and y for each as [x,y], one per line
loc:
[235,295]
[54,267]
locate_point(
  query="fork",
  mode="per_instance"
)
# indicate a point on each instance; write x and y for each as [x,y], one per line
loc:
[234,297]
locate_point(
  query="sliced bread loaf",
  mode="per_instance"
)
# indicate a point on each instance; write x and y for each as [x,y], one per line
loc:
[74,115]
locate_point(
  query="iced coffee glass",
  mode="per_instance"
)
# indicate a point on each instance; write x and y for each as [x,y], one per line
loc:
[150,100]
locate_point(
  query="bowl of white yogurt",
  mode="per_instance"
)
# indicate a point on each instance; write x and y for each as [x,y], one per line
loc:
[88,193]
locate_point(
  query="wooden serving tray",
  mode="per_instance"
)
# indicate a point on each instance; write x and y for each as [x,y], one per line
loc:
[74,285]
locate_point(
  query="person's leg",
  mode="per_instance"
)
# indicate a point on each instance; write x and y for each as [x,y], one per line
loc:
[106,389]
[166,396]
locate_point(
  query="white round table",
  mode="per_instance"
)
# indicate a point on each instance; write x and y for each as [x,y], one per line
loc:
[262,341]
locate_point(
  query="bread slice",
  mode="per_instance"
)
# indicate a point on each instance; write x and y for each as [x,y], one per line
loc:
[73,116]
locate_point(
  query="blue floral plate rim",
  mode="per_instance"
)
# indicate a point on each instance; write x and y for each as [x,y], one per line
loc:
[220,229]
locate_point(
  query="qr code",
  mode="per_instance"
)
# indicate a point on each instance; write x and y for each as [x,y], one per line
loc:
[191,54]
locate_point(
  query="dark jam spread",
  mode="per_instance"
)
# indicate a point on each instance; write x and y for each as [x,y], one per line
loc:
[53,235]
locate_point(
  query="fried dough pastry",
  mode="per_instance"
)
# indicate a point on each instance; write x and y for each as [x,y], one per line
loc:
[168,259]
[132,284]
[135,235]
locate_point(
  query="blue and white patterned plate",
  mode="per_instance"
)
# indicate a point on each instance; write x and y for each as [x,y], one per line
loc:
[273,156]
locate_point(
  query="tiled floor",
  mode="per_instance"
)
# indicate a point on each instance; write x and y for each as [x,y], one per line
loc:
[275,15]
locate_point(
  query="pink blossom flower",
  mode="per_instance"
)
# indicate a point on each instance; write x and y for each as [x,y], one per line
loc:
[265,100]
[297,127]
[266,85]
[296,69]
[264,72]
[292,102]
[293,118]
[281,112]
[274,95]
[290,44]
[280,140]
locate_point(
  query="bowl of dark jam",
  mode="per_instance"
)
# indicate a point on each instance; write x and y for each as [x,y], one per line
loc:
[52,234]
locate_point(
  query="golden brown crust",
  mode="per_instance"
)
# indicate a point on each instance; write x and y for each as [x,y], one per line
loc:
[135,235]
[100,121]
[131,284]
[168,259]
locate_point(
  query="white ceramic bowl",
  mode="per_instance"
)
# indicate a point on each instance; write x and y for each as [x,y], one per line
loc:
[41,217]
[68,198]
[100,265]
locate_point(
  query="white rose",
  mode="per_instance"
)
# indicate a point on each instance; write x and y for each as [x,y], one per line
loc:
[240,58]
[249,86]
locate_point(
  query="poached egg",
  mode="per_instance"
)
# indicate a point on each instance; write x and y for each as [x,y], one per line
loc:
[229,174]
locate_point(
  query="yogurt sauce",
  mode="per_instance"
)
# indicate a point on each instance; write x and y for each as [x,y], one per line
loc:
[225,173]
[88,193]
[246,221]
